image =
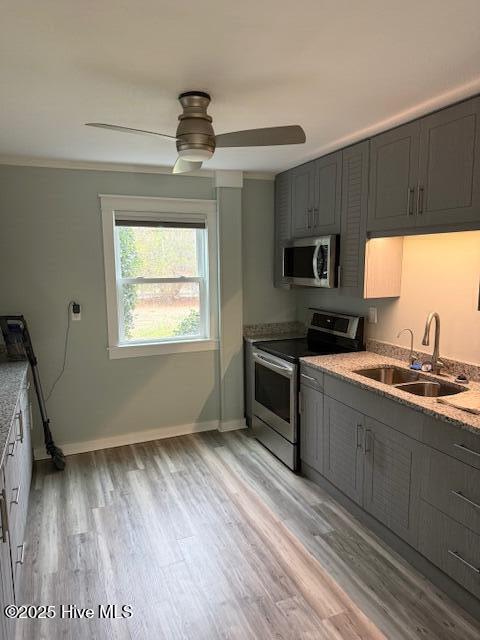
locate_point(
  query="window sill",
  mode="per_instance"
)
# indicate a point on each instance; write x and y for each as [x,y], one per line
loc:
[161,348]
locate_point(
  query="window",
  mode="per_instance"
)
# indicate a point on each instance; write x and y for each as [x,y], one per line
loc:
[160,268]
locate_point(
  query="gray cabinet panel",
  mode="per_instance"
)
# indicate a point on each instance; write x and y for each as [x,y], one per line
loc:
[283,220]
[343,454]
[311,427]
[6,579]
[354,218]
[392,479]
[302,199]
[451,546]
[449,171]
[453,487]
[393,178]
[327,196]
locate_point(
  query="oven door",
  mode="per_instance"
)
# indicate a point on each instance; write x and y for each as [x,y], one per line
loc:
[275,399]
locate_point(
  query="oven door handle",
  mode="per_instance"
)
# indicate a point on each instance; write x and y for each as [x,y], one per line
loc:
[285,371]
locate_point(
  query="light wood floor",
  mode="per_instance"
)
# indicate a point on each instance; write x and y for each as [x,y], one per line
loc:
[210,537]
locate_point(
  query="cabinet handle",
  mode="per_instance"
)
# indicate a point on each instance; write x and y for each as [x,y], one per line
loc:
[17,495]
[359,439]
[315,216]
[456,555]
[410,192]
[366,448]
[12,446]
[20,423]
[420,200]
[460,495]
[304,375]
[339,276]
[22,553]
[464,448]
[309,217]
[3,515]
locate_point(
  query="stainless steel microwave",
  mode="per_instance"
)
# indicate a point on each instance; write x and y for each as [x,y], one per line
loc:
[311,262]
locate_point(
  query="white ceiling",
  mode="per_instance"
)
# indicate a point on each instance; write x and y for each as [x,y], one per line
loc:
[340,68]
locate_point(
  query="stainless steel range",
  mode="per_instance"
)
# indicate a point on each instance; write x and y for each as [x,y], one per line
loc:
[275,406]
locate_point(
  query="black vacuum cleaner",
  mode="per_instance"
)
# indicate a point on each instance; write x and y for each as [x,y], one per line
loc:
[19,346]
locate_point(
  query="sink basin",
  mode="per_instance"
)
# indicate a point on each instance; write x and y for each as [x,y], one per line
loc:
[430,389]
[389,375]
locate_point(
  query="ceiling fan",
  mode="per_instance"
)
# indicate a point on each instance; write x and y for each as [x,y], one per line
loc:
[196,139]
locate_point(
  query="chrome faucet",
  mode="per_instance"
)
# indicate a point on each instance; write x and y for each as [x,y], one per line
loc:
[411,357]
[437,364]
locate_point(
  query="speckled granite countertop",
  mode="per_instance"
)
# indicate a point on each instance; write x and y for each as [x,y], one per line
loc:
[343,366]
[12,376]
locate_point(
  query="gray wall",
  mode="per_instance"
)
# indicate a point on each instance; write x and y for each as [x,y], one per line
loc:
[261,301]
[51,252]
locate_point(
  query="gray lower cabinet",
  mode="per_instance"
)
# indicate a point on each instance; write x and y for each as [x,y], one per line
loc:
[450,546]
[393,178]
[392,479]
[418,476]
[15,478]
[343,448]
[6,578]
[311,426]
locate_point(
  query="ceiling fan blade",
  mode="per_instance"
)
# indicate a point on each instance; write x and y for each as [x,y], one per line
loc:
[185,166]
[291,134]
[116,127]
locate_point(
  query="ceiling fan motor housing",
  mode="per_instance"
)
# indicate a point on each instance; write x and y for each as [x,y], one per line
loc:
[195,132]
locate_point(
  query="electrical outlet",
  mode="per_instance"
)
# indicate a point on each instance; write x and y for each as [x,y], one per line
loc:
[76,311]
[372,315]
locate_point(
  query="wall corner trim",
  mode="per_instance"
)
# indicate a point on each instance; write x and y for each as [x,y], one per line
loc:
[229,179]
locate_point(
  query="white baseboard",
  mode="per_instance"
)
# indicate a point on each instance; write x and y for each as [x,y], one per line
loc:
[232,425]
[131,438]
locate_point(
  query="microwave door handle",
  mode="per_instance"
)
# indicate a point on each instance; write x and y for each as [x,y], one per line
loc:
[315,262]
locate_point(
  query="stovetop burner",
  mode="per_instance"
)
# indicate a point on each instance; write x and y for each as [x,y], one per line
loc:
[327,333]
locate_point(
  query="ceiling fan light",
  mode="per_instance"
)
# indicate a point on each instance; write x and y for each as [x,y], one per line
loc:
[195,155]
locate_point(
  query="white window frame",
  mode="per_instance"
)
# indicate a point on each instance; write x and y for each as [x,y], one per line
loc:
[114,208]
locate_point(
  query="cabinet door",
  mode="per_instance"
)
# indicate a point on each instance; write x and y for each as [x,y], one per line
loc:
[344,459]
[283,220]
[393,178]
[302,196]
[6,579]
[327,194]
[311,427]
[354,219]
[392,479]
[449,166]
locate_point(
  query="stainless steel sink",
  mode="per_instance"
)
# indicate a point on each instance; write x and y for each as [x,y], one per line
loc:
[430,389]
[389,375]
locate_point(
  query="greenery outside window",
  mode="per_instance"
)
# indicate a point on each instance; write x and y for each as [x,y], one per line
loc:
[160,276]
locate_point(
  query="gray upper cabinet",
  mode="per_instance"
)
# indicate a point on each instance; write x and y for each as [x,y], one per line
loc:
[449,166]
[283,221]
[317,196]
[392,479]
[327,195]
[353,219]
[393,178]
[426,174]
[302,199]
[343,438]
